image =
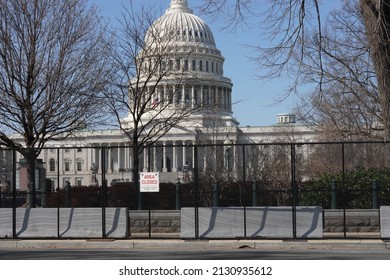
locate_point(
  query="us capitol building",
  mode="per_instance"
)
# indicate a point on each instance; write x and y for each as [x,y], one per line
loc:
[173,154]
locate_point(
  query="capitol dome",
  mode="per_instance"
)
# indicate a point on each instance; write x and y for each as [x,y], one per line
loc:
[190,69]
[180,22]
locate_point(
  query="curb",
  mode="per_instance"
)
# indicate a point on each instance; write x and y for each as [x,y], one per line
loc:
[163,244]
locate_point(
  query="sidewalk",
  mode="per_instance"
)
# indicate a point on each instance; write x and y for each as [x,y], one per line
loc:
[179,244]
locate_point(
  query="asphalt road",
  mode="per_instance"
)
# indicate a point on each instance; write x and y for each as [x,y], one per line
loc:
[240,254]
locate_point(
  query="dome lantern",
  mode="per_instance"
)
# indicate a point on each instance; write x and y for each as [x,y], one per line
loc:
[181,5]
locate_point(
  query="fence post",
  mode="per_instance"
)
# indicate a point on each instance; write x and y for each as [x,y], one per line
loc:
[177,205]
[254,194]
[293,190]
[46,189]
[103,191]
[215,194]
[375,198]
[334,195]
[14,235]
[196,198]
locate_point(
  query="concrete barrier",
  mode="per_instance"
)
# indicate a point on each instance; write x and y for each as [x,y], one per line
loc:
[65,223]
[266,222]
[385,221]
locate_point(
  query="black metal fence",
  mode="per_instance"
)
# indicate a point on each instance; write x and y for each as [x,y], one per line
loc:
[342,177]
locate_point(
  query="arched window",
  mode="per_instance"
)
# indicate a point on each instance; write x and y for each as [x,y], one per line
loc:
[193,65]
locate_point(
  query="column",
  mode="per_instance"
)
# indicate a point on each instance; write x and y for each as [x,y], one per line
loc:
[234,165]
[174,97]
[155,159]
[230,99]
[208,95]
[183,95]
[193,101]
[201,95]
[145,169]
[184,153]
[164,169]
[165,99]
[220,98]
[204,159]
[119,157]
[174,157]
[109,159]
[74,169]
[193,156]
[91,158]
[130,158]
[126,159]
[160,96]
[225,93]
[98,161]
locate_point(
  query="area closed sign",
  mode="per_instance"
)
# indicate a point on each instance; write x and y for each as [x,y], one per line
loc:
[150,182]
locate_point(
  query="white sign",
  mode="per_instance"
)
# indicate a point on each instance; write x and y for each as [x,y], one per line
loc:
[150,182]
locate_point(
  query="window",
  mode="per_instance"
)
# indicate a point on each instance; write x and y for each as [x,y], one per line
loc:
[79,182]
[79,150]
[186,65]
[52,164]
[200,65]
[177,64]
[207,66]
[67,165]
[193,65]
[79,165]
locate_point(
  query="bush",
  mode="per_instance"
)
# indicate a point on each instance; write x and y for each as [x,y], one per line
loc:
[353,189]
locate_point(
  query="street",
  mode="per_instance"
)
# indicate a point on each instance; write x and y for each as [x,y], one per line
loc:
[198,254]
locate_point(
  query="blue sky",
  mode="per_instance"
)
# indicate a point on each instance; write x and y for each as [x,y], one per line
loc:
[255,100]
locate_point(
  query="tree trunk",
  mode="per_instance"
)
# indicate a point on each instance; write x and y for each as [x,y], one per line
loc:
[30,158]
[136,170]
[376,14]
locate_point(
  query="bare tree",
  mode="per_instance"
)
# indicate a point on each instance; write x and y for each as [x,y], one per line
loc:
[289,24]
[52,67]
[149,93]
[349,103]
[376,14]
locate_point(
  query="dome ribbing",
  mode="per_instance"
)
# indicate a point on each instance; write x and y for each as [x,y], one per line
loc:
[179,24]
